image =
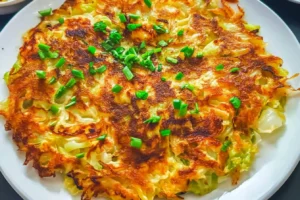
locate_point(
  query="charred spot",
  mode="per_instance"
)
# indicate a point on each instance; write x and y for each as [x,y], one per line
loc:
[163,21]
[73,175]
[83,57]
[76,33]
[268,71]
[163,91]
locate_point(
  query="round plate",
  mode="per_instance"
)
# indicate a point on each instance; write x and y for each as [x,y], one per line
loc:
[279,152]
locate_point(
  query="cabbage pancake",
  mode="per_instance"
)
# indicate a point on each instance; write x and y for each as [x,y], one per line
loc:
[140,99]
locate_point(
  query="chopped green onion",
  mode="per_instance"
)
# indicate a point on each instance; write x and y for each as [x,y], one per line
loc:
[129,75]
[157,50]
[102,137]
[171,60]
[153,119]
[188,51]
[80,155]
[77,73]
[53,54]
[235,69]
[165,132]
[159,68]
[141,94]
[159,29]
[219,67]
[52,80]
[115,36]
[200,55]
[54,109]
[133,27]
[163,79]
[44,47]
[148,3]
[101,69]
[60,92]
[107,46]
[122,18]
[225,145]
[148,64]
[162,43]
[180,33]
[92,50]
[72,102]
[92,69]
[71,83]
[41,54]
[183,109]
[60,62]
[136,142]
[117,88]
[61,20]
[179,76]
[40,74]
[45,12]
[6,77]
[196,110]
[133,16]
[188,86]
[143,45]
[100,27]
[236,102]
[177,103]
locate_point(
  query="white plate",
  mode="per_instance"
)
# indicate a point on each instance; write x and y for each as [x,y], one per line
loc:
[279,152]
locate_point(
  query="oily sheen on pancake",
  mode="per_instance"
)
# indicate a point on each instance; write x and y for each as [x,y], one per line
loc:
[140,99]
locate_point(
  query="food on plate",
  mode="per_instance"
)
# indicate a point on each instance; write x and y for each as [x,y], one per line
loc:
[139,99]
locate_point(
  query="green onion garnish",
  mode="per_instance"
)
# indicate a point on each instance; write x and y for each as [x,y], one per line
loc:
[136,142]
[100,27]
[235,69]
[165,132]
[92,50]
[163,79]
[188,51]
[77,73]
[117,88]
[92,69]
[153,119]
[179,76]
[60,92]
[141,94]
[171,60]
[177,103]
[143,45]
[101,69]
[162,43]
[102,137]
[53,54]
[54,109]
[159,29]
[107,46]
[122,18]
[148,3]
[219,67]
[45,12]
[188,86]
[180,33]
[200,55]
[133,27]
[40,74]
[133,16]
[61,20]
[71,83]
[236,102]
[80,155]
[44,47]
[41,54]
[72,102]
[183,109]
[115,36]
[60,62]
[159,68]
[52,80]
[225,145]
[129,75]
[196,110]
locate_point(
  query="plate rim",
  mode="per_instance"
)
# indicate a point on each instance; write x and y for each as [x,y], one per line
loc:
[272,190]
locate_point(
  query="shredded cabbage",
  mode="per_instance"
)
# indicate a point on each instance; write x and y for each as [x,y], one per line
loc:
[204,186]
[270,120]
